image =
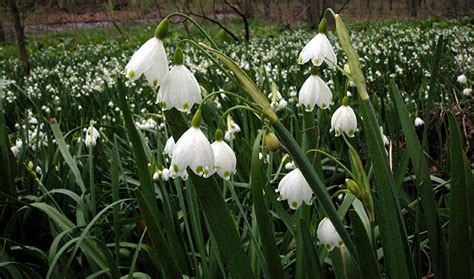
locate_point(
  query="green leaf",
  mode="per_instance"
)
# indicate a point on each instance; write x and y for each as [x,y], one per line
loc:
[422,173]
[58,135]
[369,265]
[316,185]
[216,211]
[459,235]
[312,266]
[267,235]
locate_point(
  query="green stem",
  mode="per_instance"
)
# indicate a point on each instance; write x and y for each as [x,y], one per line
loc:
[316,185]
[235,108]
[211,41]
[335,160]
[212,94]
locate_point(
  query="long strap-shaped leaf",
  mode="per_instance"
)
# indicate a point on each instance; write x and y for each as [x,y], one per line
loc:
[459,237]
[428,201]
[394,237]
[316,185]
[146,196]
[215,210]
[267,235]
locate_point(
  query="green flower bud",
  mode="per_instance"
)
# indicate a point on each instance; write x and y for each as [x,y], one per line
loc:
[272,142]
[323,26]
[162,29]
[353,187]
[178,57]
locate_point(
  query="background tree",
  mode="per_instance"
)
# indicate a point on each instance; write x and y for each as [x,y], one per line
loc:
[20,36]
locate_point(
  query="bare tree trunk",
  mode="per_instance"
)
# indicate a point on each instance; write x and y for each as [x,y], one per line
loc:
[313,12]
[247,8]
[391,4]
[267,8]
[243,16]
[2,34]
[413,9]
[20,37]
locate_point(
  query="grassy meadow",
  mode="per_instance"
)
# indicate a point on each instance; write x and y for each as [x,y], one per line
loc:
[111,209]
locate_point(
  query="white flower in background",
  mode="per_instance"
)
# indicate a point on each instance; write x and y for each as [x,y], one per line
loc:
[349,94]
[328,235]
[193,150]
[147,124]
[91,136]
[150,59]
[314,92]
[180,88]
[467,91]
[169,146]
[16,148]
[290,165]
[419,122]
[165,174]
[38,170]
[277,102]
[294,188]
[462,79]
[344,119]
[224,157]
[384,137]
[318,49]
[232,128]
[156,175]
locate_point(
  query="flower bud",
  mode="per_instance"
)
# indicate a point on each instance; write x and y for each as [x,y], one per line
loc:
[353,187]
[323,26]
[162,29]
[272,142]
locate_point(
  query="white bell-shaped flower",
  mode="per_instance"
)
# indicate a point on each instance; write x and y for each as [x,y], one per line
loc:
[17,147]
[91,136]
[314,92]
[150,59]
[344,120]
[462,79]
[180,88]
[169,146]
[224,157]
[319,49]
[294,188]
[419,122]
[467,91]
[193,150]
[328,235]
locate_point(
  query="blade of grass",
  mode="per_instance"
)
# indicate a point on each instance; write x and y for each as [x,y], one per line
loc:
[428,202]
[216,211]
[459,235]
[369,265]
[146,195]
[267,236]
[312,266]
[58,135]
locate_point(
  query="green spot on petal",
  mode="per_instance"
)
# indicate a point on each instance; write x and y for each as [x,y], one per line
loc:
[199,169]
[226,174]
[155,83]
[186,106]
[294,205]
[175,168]
[131,74]
[351,133]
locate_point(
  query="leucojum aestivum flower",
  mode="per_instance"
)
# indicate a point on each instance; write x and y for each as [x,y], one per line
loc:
[192,154]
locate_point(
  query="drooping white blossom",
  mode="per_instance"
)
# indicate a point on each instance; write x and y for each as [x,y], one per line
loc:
[462,79]
[318,50]
[192,150]
[150,59]
[315,92]
[294,188]
[344,120]
[91,136]
[169,146]
[328,235]
[419,122]
[224,159]
[180,88]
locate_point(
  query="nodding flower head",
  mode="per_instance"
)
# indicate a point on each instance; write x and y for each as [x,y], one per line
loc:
[314,92]
[462,79]
[318,50]
[150,59]
[180,88]
[419,122]
[344,120]
[328,235]
[294,188]
[224,157]
[192,150]
[91,136]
